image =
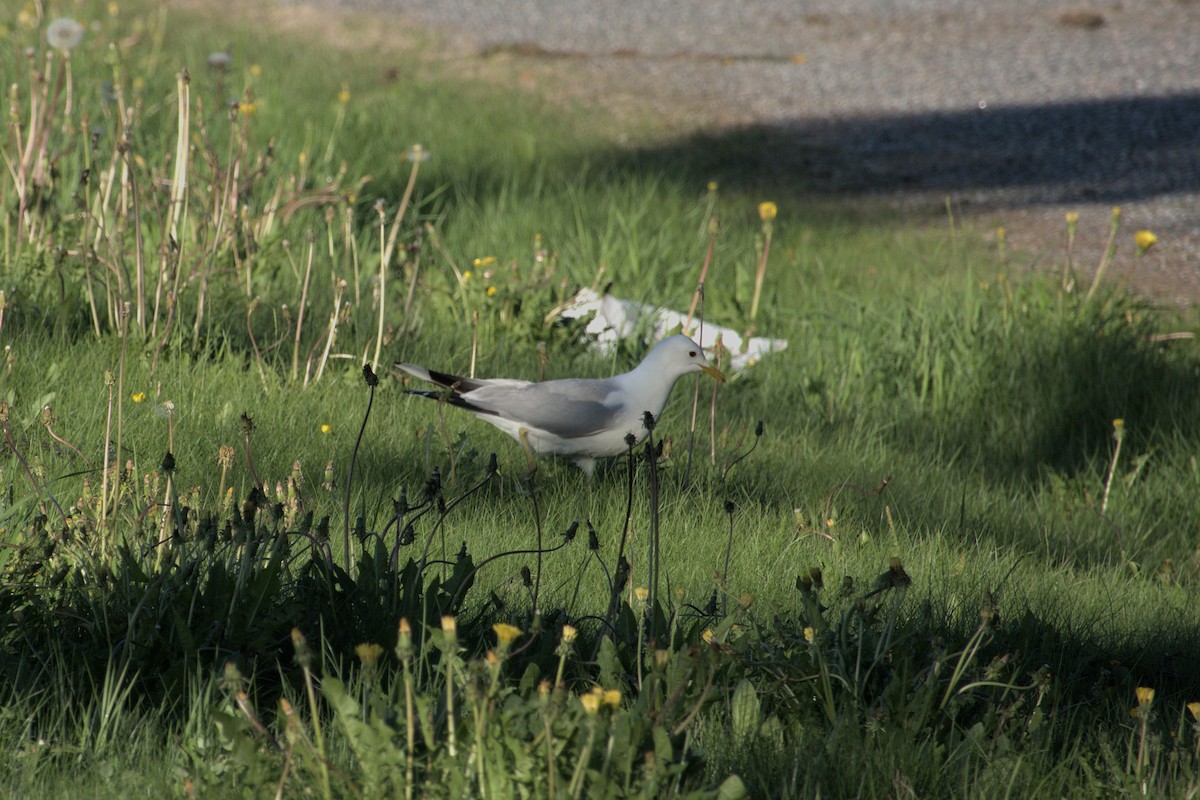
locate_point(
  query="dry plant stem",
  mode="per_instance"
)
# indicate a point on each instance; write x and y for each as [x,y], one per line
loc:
[258,360]
[300,312]
[109,381]
[178,202]
[1112,470]
[698,295]
[386,256]
[65,443]
[1109,251]
[123,321]
[760,273]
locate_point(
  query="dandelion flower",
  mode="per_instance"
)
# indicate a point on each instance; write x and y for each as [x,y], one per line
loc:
[1145,240]
[1072,217]
[491,291]
[1194,708]
[767,211]
[368,653]
[1145,695]
[591,704]
[641,593]
[344,94]
[612,698]
[326,427]
[138,397]
[505,633]
[809,634]
[64,34]
[569,633]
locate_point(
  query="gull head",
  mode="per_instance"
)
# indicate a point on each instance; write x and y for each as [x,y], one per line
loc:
[677,356]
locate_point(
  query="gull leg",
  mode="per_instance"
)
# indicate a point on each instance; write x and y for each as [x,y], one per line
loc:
[523,438]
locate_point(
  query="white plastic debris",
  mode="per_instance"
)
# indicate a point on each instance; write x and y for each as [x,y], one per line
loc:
[618,319]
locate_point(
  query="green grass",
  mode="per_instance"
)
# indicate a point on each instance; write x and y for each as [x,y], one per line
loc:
[933,407]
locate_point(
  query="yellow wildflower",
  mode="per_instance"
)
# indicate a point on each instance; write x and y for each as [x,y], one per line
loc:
[612,698]
[1145,240]
[707,636]
[809,634]
[491,291]
[138,397]
[641,593]
[569,633]
[344,94]
[591,704]
[767,211]
[326,427]
[368,653]
[449,624]
[1145,695]
[505,633]
[248,109]
[255,70]
[1194,708]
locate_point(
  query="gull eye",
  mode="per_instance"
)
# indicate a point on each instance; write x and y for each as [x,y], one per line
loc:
[692,354]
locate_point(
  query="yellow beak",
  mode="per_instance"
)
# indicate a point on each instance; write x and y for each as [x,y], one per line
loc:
[716,373]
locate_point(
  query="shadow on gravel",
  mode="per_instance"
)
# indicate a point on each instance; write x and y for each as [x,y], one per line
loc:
[1111,150]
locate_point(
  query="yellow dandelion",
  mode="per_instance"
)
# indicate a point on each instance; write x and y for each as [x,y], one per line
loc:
[1118,424]
[248,109]
[113,9]
[712,186]
[449,624]
[1194,708]
[344,94]
[368,653]
[1145,240]
[569,633]
[767,211]
[810,635]
[641,593]
[138,397]
[1145,695]
[612,698]
[491,291]
[302,158]
[708,636]
[326,427]
[139,83]
[591,704]
[255,70]
[1072,217]
[492,659]
[505,633]
[468,275]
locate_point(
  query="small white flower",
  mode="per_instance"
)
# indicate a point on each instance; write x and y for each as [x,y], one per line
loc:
[219,61]
[64,34]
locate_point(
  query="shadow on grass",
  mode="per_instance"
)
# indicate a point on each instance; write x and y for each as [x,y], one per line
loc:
[1105,151]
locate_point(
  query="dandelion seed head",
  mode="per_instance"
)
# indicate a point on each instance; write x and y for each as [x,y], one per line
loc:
[64,34]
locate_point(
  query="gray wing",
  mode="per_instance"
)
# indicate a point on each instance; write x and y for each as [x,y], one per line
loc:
[568,408]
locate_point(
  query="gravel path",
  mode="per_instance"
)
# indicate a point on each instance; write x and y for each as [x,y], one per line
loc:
[1017,111]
